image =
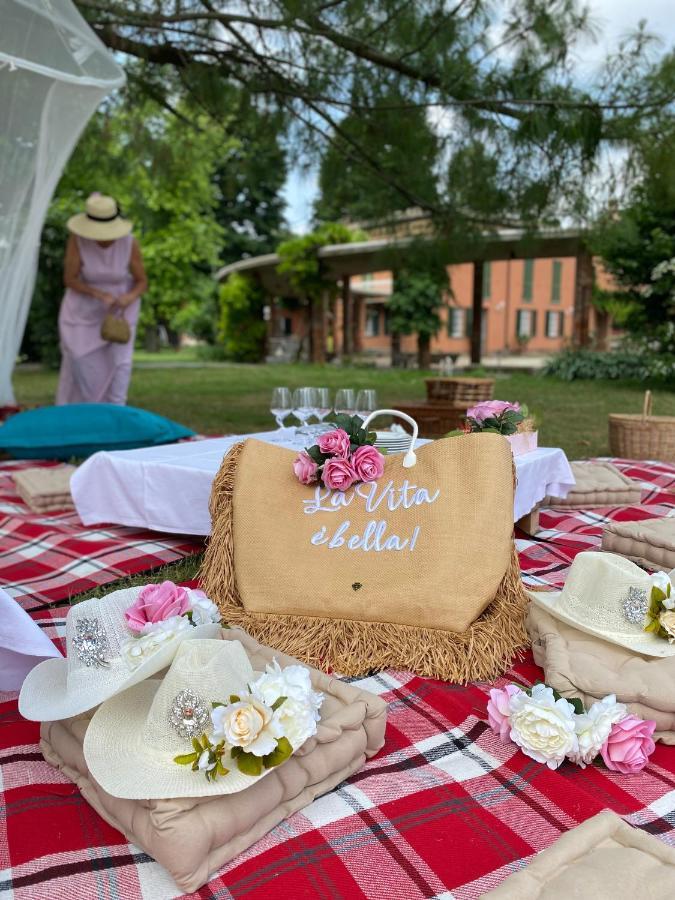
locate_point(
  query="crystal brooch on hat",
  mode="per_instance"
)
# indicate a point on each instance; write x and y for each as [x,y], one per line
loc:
[91,643]
[188,714]
[635,605]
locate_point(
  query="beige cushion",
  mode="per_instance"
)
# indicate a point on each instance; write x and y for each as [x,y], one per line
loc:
[579,665]
[650,543]
[192,838]
[43,489]
[598,484]
[603,858]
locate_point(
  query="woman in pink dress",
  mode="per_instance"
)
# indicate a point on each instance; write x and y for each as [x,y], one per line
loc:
[103,272]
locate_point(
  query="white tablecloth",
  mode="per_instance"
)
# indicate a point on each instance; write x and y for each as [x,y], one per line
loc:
[167,488]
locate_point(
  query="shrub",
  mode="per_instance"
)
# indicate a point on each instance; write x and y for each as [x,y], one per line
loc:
[241,327]
[625,363]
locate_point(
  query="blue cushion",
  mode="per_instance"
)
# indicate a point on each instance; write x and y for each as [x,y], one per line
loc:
[80,429]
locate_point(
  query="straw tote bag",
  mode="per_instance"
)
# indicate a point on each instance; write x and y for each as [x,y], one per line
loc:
[115,329]
[417,570]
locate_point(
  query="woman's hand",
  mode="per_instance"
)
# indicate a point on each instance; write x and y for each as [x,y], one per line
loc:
[127,299]
[108,300]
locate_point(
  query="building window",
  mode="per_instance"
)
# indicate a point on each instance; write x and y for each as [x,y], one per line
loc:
[554,324]
[528,279]
[455,322]
[372,322]
[368,276]
[487,280]
[468,321]
[526,323]
[555,281]
[287,326]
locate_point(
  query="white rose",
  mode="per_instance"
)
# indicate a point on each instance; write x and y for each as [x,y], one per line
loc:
[248,724]
[296,720]
[594,726]
[542,726]
[293,682]
[203,764]
[137,649]
[662,581]
[204,611]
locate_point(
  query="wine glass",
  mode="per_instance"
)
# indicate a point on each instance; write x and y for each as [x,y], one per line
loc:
[323,401]
[303,404]
[366,402]
[281,405]
[345,401]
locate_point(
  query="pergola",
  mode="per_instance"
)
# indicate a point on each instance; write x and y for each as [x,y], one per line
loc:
[342,261]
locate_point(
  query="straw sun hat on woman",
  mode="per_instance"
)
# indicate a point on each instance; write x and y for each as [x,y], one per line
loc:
[101,220]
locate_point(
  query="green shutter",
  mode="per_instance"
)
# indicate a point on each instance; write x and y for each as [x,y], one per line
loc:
[469,321]
[555,282]
[487,280]
[533,322]
[518,315]
[528,277]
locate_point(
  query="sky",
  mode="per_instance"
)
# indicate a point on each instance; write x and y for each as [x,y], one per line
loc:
[613,19]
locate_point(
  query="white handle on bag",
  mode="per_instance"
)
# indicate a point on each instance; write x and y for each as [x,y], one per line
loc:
[410,458]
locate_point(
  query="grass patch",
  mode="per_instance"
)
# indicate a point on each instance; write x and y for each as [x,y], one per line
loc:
[235,398]
[181,570]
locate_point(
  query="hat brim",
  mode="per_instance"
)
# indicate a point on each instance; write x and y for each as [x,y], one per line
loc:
[45,697]
[649,645]
[123,764]
[83,226]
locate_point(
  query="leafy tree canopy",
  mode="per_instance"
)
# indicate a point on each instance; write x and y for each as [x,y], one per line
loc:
[518,129]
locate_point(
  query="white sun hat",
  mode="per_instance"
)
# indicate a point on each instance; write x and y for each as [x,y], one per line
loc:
[607,596]
[104,657]
[131,741]
[101,220]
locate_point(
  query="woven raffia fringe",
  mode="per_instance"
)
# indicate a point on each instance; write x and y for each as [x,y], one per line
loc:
[354,647]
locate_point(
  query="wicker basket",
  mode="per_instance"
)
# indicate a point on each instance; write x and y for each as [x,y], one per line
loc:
[642,437]
[460,390]
[435,420]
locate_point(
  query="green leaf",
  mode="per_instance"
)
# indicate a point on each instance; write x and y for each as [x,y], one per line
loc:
[314,453]
[220,768]
[196,745]
[249,764]
[236,751]
[234,698]
[577,704]
[281,754]
[186,759]
[216,703]
[277,703]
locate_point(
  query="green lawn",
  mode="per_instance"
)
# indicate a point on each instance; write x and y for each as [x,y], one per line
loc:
[234,398]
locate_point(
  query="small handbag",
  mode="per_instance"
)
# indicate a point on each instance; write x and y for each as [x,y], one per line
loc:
[115,329]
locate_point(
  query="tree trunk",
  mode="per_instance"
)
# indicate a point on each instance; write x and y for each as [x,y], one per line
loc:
[317,331]
[335,335]
[357,329]
[583,290]
[477,323]
[347,318]
[396,358]
[424,351]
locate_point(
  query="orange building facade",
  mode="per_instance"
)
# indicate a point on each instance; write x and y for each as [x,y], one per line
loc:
[528,306]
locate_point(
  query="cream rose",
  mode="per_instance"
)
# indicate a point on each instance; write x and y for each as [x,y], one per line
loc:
[593,728]
[248,724]
[667,621]
[543,727]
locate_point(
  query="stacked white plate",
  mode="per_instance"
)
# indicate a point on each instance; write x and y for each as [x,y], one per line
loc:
[392,441]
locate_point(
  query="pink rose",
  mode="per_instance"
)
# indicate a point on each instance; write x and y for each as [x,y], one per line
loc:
[155,603]
[499,712]
[338,474]
[490,408]
[629,745]
[335,442]
[305,468]
[368,463]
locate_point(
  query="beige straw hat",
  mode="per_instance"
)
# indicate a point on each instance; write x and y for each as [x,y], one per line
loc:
[101,220]
[97,665]
[607,596]
[131,741]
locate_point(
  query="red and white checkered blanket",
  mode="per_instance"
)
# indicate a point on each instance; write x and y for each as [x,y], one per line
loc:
[46,557]
[444,810]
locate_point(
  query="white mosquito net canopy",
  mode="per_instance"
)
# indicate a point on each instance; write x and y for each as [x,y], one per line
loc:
[54,72]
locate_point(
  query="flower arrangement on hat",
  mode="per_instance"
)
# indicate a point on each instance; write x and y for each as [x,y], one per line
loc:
[660,616]
[160,613]
[341,457]
[259,729]
[550,729]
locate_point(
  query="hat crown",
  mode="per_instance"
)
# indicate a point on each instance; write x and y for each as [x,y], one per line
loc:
[602,590]
[202,672]
[95,632]
[101,206]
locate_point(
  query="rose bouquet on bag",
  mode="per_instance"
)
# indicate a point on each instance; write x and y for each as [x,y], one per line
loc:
[550,729]
[341,457]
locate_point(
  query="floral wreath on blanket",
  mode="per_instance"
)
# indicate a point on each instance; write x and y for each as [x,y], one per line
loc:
[259,729]
[550,729]
[341,457]
[160,613]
